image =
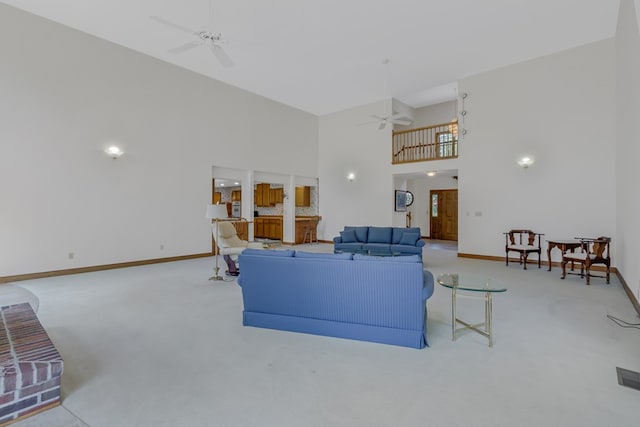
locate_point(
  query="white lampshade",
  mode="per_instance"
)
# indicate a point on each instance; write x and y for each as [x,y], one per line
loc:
[216,211]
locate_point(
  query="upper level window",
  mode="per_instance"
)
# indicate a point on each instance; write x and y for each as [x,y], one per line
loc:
[446,142]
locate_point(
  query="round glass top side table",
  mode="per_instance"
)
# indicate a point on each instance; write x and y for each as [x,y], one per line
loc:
[474,284]
[12,294]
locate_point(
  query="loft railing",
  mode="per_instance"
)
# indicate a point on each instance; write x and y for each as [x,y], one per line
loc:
[426,143]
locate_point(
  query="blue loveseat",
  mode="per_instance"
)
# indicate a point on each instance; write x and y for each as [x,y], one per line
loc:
[360,297]
[406,241]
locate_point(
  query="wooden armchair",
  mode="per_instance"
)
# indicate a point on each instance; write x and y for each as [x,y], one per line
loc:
[594,251]
[524,242]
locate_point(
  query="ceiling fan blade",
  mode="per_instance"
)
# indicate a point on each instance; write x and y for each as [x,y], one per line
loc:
[173,24]
[223,58]
[185,47]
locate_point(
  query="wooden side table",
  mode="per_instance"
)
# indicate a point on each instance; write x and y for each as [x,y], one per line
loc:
[564,245]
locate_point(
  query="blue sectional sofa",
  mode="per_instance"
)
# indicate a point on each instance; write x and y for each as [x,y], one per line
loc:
[406,241]
[360,297]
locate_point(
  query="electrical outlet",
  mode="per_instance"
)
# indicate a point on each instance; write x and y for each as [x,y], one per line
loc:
[71,255]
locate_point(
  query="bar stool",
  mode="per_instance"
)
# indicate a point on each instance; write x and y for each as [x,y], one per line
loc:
[310,230]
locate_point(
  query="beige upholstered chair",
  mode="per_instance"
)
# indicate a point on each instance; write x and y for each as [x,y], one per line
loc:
[229,244]
[524,242]
[228,241]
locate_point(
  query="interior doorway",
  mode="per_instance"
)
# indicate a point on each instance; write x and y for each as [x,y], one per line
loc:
[443,208]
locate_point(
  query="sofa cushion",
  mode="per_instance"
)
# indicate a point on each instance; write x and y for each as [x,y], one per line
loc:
[398,231]
[269,252]
[409,238]
[401,258]
[301,254]
[348,236]
[345,247]
[361,232]
[379,235]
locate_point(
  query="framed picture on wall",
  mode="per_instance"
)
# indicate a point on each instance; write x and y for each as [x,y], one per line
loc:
[401,201]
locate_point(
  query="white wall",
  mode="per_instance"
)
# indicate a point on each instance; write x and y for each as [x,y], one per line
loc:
[628,137]
[561,109]
[65,95]
[345,145]
[436,114]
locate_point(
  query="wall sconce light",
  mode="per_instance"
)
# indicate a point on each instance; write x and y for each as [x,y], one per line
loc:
[351,177]
[525,161]
[114,151]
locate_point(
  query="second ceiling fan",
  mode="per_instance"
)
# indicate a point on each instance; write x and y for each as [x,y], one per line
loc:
[393,119]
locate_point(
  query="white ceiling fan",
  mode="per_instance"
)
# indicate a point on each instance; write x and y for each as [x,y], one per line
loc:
[394,119]
[402,119]
[207,37]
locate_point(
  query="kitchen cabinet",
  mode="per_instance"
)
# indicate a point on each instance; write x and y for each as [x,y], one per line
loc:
[303,196]
[217,197]
[258,227]
[263,195]
[268,227]
[276,195]
[236,195]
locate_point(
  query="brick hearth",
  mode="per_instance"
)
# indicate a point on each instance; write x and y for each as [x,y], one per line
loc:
[30,366]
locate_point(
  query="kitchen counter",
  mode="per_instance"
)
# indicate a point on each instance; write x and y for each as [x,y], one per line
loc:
[270,227]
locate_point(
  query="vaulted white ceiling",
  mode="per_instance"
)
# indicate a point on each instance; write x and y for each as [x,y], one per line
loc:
[325,56]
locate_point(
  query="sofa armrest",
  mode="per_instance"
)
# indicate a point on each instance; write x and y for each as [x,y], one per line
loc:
[337,239]
[427,284]
[420,243]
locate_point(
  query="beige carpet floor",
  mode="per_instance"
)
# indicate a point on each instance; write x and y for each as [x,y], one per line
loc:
[161,345]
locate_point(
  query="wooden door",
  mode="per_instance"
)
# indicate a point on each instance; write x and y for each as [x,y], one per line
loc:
[444,214]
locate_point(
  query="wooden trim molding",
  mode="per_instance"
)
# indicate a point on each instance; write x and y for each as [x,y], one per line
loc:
[30,276]
[627,290]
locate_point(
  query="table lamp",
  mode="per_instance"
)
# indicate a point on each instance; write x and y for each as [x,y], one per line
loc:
[216,212]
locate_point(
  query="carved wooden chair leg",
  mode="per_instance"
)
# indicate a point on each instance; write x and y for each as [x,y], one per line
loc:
[588,275]
[564,269]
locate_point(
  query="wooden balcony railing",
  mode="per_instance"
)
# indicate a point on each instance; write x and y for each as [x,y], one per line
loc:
[426,143]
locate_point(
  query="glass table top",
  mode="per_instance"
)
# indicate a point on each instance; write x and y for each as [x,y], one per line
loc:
[470,282]
[11,294]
